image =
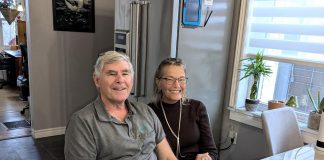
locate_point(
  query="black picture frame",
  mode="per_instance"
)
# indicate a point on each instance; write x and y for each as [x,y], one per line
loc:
[74,15]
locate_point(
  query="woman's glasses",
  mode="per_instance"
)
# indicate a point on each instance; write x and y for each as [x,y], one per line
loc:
[172,80]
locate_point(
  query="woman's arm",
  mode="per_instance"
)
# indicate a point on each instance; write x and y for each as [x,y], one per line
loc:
[206,143]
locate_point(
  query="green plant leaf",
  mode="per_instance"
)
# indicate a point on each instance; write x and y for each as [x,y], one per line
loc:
[318,100]
[312,99]
[256,68]
[321,105]
[292,101]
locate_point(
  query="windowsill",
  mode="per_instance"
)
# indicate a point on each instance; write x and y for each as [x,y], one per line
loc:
[254,119]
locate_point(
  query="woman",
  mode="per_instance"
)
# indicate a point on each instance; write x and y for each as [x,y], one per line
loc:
[194,139]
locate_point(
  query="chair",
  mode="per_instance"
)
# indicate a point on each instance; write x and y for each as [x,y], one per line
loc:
[24,80]
[5,68]
[281,130]
[3,80]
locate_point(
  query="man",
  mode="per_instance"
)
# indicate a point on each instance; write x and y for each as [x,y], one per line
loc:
[111,127]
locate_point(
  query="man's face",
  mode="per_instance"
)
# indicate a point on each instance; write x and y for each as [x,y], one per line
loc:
[115,82]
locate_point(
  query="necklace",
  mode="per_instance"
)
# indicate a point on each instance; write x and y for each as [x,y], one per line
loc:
[176,136]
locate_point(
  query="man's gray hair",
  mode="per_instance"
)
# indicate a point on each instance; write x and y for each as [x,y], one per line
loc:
[110,57]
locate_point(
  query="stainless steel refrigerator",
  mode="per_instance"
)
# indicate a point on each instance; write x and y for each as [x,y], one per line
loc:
[149,31]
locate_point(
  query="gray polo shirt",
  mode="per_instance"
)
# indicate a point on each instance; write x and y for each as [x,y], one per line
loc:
[92,133]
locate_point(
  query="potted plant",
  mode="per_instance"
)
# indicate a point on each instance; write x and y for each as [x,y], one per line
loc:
[292,102]
[314,117]
[256,68]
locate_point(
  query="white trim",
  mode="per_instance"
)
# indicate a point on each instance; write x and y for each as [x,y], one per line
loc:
[245,117]
[48,132]
[238,50]
[254,119]
[1,35]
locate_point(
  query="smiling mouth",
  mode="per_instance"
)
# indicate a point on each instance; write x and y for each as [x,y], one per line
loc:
[119,88]
[175,91]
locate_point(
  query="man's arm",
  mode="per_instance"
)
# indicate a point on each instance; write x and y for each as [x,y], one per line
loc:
[79,144]
[164,151]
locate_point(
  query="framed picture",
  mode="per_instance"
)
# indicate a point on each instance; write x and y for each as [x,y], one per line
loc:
[73,15]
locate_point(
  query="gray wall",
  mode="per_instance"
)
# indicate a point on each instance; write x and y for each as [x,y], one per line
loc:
[205,53]
[250,142]
[60,63]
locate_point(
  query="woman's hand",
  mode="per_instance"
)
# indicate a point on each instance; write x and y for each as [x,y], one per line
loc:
[204,156]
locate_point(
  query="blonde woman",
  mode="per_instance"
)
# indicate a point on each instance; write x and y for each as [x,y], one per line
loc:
[185,121]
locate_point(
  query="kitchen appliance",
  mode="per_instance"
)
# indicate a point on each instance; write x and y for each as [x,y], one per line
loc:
[147,32]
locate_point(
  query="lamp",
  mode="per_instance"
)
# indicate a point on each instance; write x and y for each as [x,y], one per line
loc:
[320,139]
[20,8]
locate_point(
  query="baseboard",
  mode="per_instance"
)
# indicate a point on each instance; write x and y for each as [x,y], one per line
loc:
[48,132]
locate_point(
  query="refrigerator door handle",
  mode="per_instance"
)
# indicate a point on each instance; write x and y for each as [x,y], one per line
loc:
[138,45]
[131,44]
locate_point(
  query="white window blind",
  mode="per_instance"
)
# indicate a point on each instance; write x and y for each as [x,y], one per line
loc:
[289,31]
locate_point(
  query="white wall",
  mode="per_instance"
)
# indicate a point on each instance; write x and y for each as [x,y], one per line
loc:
[60,64]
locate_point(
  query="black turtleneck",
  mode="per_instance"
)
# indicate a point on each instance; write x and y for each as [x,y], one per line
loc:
[195,133]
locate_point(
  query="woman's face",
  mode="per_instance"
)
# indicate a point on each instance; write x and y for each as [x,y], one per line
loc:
[172,83]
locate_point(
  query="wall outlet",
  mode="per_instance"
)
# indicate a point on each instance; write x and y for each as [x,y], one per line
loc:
[233,135]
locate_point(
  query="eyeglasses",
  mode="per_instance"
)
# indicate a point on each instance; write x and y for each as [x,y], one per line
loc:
[172,80]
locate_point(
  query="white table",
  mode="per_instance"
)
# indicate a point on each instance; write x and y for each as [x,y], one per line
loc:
[307,152]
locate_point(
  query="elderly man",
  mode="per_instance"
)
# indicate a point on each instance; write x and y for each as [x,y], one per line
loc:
[111,127]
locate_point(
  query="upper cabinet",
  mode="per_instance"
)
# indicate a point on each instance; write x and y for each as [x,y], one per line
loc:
[21,32]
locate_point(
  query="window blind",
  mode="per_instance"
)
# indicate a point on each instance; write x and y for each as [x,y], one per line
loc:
[289,31]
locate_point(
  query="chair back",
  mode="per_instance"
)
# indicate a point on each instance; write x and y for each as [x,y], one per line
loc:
[23,49]
[281,130]
[6,62]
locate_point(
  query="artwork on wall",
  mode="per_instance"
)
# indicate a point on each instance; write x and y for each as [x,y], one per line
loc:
[73,15]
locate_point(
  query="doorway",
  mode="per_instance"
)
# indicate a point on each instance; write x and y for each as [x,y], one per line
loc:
[13,122]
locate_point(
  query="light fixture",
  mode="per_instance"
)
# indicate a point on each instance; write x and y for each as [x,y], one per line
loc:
[20,8]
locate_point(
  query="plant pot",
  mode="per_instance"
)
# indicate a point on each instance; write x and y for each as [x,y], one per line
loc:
[251,104]
[273,104]
[314,120]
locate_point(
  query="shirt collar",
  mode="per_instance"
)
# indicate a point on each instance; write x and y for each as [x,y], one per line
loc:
[103,115]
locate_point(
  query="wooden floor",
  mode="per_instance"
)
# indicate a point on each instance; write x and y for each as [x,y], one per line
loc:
[17,144]
[10,107]
[27,148]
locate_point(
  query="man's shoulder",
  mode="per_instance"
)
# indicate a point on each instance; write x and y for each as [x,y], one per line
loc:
[141,107]
[138,105]
[86,111]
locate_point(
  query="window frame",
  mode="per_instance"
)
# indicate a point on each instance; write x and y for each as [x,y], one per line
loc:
[1,35]
[239,88]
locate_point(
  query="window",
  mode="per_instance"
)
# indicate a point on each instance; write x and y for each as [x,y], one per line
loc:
[8,32]
[291,35]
